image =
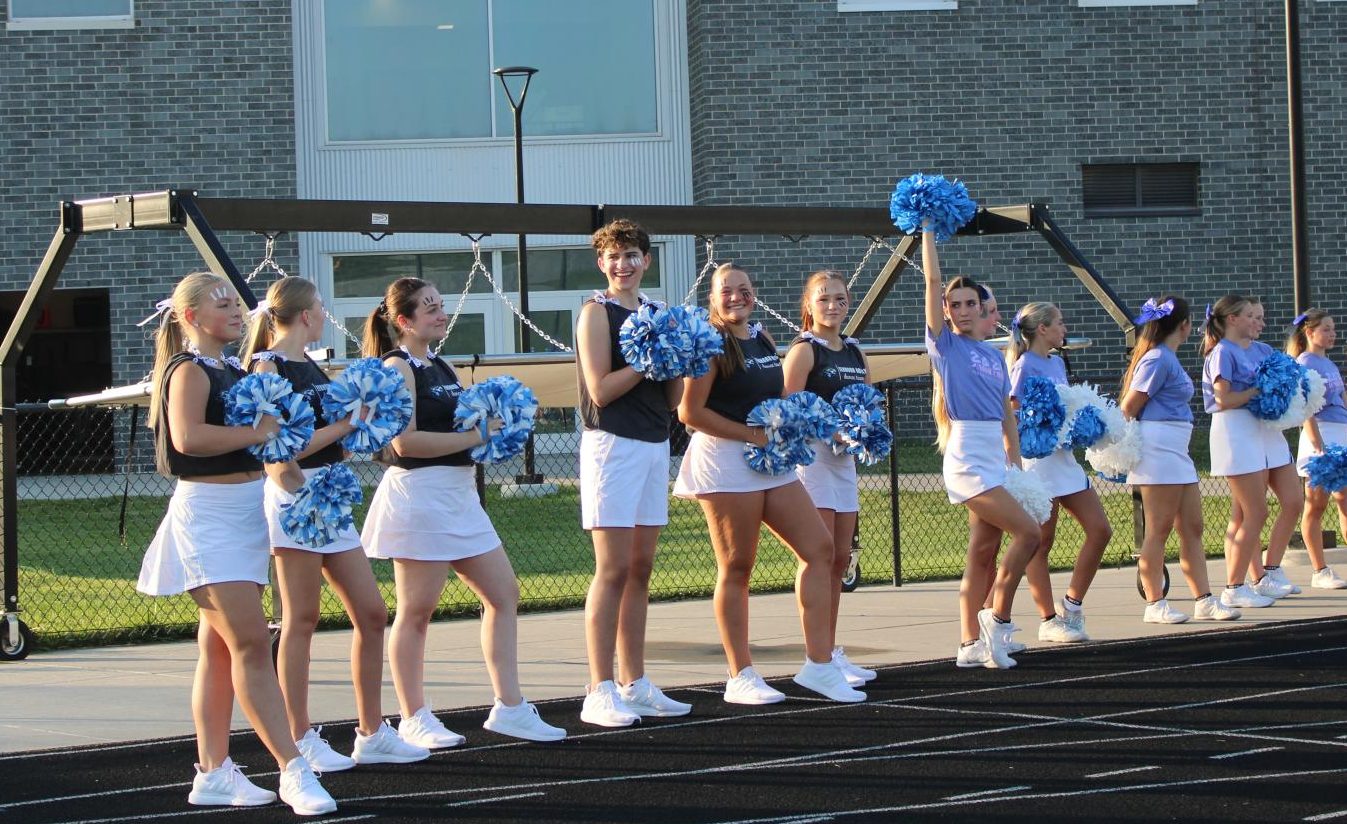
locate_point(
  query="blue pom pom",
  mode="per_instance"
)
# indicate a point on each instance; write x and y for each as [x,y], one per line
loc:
[1086,428]
[1328,470]
[505,399]
[266,393]
[865,432]
[375,398]
[921,197]
[1278,379]
[321,509]
[787,438]
[820,418]
[663,343]
[1040,415]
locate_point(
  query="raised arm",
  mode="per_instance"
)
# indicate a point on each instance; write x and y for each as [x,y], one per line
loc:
[935,300]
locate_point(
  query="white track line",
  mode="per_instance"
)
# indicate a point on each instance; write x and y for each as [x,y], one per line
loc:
[1224,756]
[1325,816]
[981,793]
[493,800]
[1112,773]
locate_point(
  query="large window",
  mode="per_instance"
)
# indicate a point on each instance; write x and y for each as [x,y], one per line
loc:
[421,69]
[71,14]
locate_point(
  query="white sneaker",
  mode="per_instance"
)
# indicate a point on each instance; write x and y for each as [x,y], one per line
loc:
[1279,575]
[1269,587]
[384,746]
[301,790]
[1243,596]
[996,636]
[1326,578]
[1058,631]
[320,755]
[1013,646]
[227,786]
[1161,612]
[425,730]
[604,707]
[1074,620]
[748,688]
[855,675]
[521,721]
[644,698]
[827,680]
[973,655]
[1210,608]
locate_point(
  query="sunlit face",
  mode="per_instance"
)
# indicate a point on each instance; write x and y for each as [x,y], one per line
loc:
[1247,323]
[428,321]
[219,317]
[1054,334]
[732,297]
[991,317]
[964,310]
[315,320]
[829,305]
[623,267]
[1322,336]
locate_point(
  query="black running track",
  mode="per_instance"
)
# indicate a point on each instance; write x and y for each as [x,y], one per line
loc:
[1244,724]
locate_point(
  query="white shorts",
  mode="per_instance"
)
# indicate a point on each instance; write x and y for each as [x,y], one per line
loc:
[714,464]
[1329,432]
[1241,444]
[1060,474]
[831,480]
[1164,454]
[975,459]
[274,497]
[211,534]
[623,482]
[428,514]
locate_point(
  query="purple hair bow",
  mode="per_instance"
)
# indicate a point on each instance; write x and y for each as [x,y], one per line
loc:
[1300,318]
[1150,311]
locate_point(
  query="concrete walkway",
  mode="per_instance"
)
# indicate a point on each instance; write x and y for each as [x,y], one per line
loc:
[72,698]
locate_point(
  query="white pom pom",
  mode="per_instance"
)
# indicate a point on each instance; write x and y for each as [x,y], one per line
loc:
[1121,454]
[1314,399]
[1076,397]
[1030,493]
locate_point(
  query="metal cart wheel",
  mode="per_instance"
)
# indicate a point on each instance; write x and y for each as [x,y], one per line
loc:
[16,639]
[1164,583]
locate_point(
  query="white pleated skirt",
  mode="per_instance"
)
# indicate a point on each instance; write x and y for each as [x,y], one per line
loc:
[211,534]
[274,498]
[975,459]
[714,464]
[1241,444]
[1164,454]
[831,480]
[1060,474]
[1329,432]
[428,514]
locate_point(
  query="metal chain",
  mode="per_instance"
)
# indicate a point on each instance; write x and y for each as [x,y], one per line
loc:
[875,243]
[769,310]
[709,267]
[268,261]
[486,273]
[463,296]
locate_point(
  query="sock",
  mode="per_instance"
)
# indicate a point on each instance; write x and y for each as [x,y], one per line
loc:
[1049,618]
[1233,586]
[998,619]
[1071,604]
[1268,566]
[1203,595]
[1321,569]
[969,643]
[1153,603]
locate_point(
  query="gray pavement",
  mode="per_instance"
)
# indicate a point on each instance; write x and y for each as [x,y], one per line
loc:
[86,697]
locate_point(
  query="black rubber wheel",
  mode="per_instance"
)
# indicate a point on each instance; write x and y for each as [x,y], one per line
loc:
[1164,583]
[852,578]
[15,651]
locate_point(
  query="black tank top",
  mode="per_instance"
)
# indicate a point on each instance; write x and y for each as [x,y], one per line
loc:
[222,376]
[641,414]
[437,391]
[760,379]
[833,370]
[309,380]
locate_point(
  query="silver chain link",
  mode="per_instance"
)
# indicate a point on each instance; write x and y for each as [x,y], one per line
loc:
[875,243]
[769,310]
[463,296]
[707,268]
[486,273]
[268,262]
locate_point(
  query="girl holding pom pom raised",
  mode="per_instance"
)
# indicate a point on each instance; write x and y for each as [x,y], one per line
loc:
[283,326]
[1155,393]
[1313,333]
[1250,456]
[624,485]
[426,517]
[1035,331]
[213,545]
[738,501]
[823,361]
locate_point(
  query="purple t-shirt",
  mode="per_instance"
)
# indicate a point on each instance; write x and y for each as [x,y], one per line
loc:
[1235,364]
[1333,411]
[1160,375]
[973,374]
[1032,365]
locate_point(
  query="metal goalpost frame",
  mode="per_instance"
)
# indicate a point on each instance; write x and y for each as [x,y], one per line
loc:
[201,218]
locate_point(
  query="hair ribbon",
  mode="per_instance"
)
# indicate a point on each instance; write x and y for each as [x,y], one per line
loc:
[1150,310]
[160,309]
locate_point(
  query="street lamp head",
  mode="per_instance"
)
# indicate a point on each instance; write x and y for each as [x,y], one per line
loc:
[514,71]
[506,72]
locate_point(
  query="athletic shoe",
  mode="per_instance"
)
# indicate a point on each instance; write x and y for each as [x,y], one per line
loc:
[604,707]
[1074,620]
[644,698]
[227,786]
[1326,578]
[1058,631]
[521,721]
[425,730]
[1279,575]
[1270,587]
[301,790]
[320,754]
[1244,597]
[1210,608]
[855,675]
[827,680]
[748,688]
[973,655]
[1161,612]
[996,636]
[385,747]
[1013,646]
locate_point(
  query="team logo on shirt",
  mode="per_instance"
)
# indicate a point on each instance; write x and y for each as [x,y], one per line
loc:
[764,362]
[986,367]
[446,391]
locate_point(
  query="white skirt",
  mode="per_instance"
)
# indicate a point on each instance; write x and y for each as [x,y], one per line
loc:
[428,514]
[1164,454]
[275,497]
[1329,432]
[831,480]
[714,464]
[1059,472]
[211,534]
[975,459]
[1241,444]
